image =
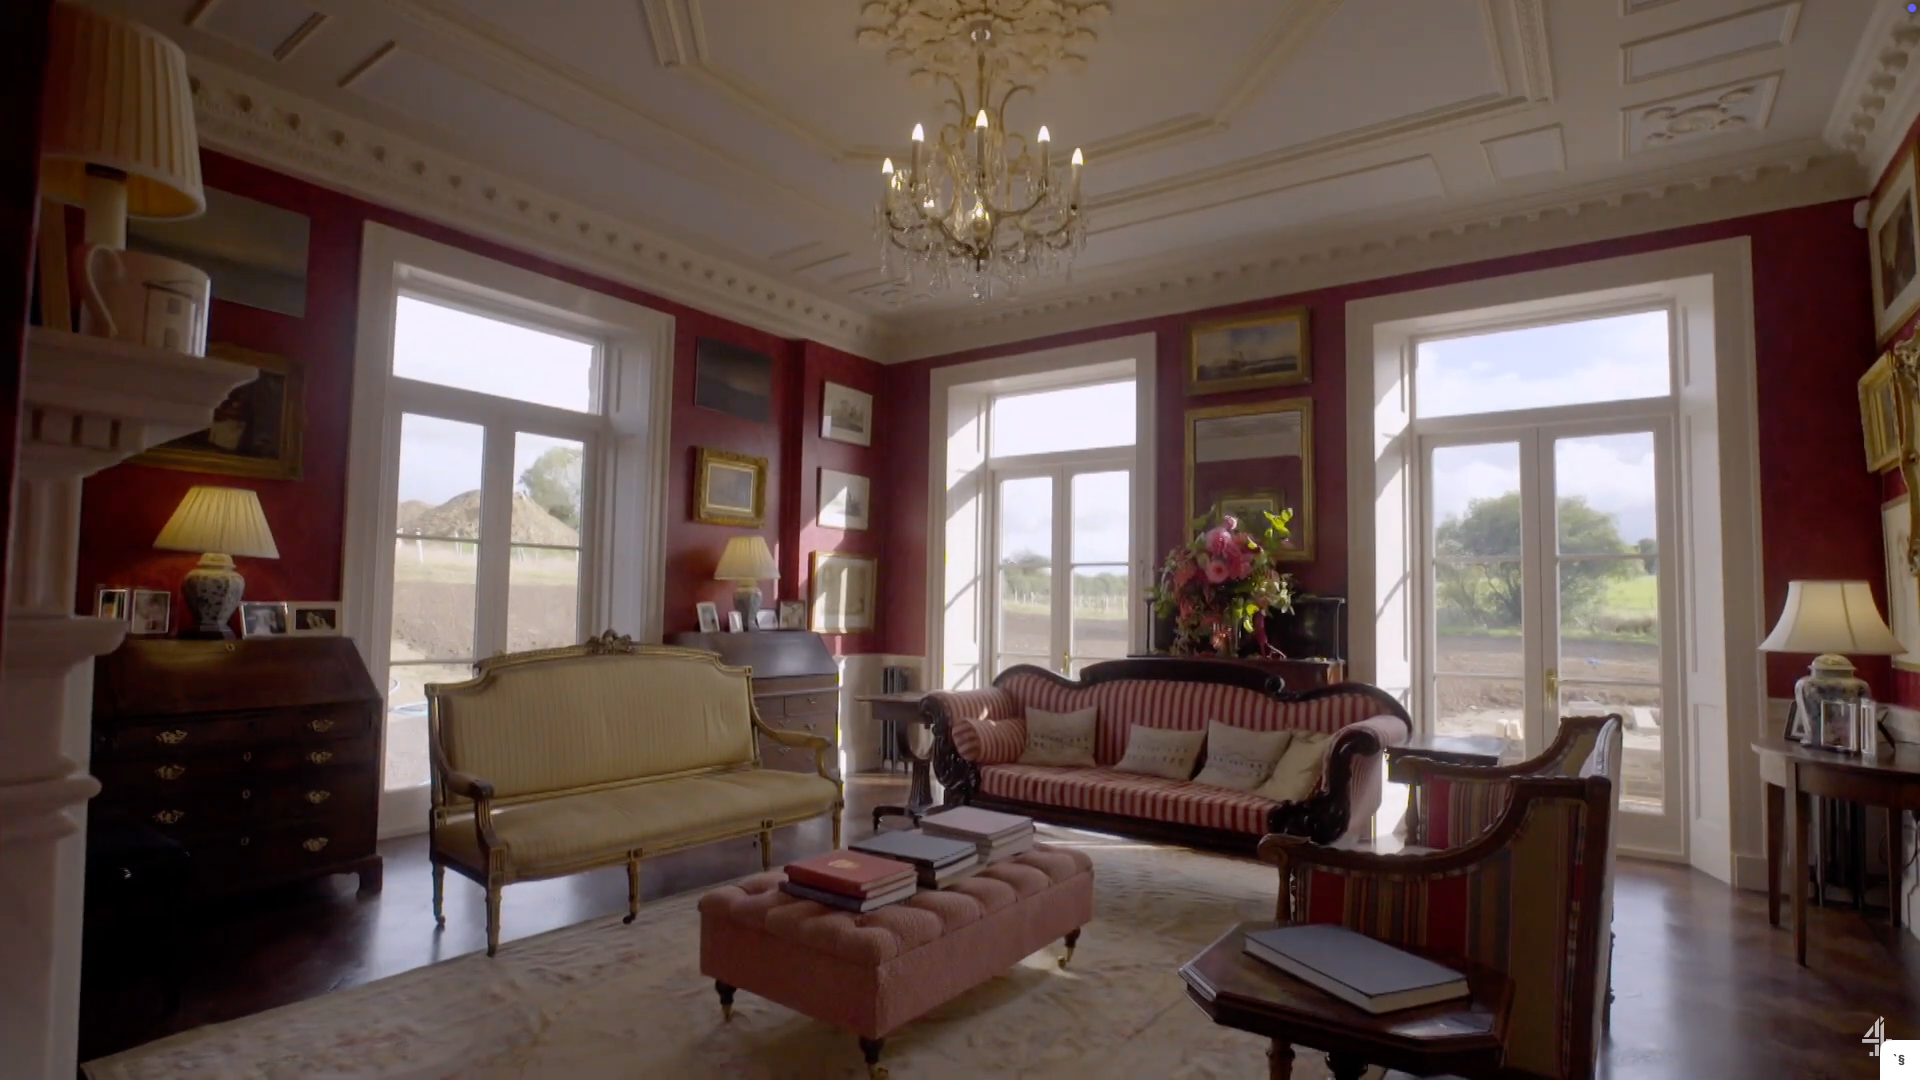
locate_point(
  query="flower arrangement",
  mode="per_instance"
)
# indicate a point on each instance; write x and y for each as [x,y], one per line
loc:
[1222,583]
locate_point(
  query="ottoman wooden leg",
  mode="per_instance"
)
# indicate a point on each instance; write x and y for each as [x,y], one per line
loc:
[870,1048]
[1072,939]
[633,889]
[766,849]
[439,894]
[1280,1061]
[726,999]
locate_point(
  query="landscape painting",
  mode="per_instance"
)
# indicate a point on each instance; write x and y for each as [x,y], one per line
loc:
[733,380]
[1246,352]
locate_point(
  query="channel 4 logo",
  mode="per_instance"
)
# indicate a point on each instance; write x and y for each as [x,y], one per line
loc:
[1899,1058]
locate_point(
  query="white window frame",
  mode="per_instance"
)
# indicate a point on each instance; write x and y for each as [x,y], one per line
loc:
[961,492]
[623,527]
[1709,287]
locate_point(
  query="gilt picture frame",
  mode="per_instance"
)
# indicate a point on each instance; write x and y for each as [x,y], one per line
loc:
[1879,415]
[844,592]
[1893,238]
[1249,352]
[258,431]
[729,488]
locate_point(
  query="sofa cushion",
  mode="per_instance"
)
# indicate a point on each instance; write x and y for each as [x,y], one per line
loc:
[1059,738]
[551,835]
[1241,759]
[1108,791]
[1161,752]
[1297,773]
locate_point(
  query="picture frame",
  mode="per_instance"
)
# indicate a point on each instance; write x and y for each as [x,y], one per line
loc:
[257,431]
[313,618]
[151,613]
[1893,238]
[1249,352]
[845,499]
[846,415]
[1903,588]
[261,619]
[729,488]
[766,619]
[843,592]
[709,615]
[1249,505]
[732,379]
[736,624]
[793,614]
[111,603]
[1879,415]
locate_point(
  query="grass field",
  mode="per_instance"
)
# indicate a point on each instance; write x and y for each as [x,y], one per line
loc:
[1639,595]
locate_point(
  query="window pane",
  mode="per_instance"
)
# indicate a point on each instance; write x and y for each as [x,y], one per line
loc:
[1606,485]
[439,477]
[1609,620]
[1464,645]
[435,552]
[1073,418]
[543,598]
[1475,492]
[1101,604]
[547,475]
[1102,525]
[1478,707]
[1642,771]
[407,718]
[1026,566]
[439,344]
[1572,363]
[433,585]
[1005,661]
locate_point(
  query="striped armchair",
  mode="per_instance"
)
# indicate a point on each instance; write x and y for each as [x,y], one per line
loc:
[979,735]
[1529,897]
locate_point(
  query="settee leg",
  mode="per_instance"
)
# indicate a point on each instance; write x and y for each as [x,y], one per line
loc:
[766,849]
[1072,939]
[838,808]
[439,894]
[726,1000]
[493,917]
[870,1049]
[633,889]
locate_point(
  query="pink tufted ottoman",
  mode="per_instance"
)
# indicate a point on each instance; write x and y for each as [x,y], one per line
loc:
[873,973]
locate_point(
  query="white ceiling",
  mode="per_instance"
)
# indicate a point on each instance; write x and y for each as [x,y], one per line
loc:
[750,131]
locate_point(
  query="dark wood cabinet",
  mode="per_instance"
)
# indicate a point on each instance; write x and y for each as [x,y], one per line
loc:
[1295,675]
[796,685]
[260,758]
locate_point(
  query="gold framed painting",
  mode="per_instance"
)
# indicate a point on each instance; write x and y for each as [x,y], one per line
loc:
[1247,506]
[1879,415]
[1893,235]
[844,592]
[1247,352]
[729,488]
[256,432]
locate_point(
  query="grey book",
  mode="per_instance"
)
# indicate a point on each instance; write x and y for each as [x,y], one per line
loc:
[1360,971]
[851,903]
[918,848]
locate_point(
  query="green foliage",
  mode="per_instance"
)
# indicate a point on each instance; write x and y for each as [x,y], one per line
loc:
[1209,616]
[1649,555]
[1488,595]
[553,482]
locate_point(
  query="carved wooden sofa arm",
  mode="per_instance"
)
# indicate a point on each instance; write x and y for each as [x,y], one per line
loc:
[821,746]
[1351,780]
[965,723]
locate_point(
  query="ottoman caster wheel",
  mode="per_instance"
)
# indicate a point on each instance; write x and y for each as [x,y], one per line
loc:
[1071,940]
[870,1049]
[626,920]
[726,1000]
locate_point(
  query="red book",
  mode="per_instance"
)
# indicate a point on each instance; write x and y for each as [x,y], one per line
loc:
[850,873]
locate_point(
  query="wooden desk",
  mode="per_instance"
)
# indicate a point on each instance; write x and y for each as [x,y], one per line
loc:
[1463,1038]
[1891,780]
[902,712]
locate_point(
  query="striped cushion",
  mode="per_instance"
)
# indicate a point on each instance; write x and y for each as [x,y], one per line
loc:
[1184,706]
[1107,791]
[1516,911]
[979,742]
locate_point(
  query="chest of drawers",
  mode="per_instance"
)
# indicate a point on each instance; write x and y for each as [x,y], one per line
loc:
[796,685]
[259,757]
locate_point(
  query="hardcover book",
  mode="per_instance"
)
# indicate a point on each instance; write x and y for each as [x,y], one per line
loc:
[973,823]
[922,849]
[1358,970]
[851,903]
[850,873]
[947,875]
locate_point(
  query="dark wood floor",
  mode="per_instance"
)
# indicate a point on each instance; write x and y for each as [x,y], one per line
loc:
[1705,987]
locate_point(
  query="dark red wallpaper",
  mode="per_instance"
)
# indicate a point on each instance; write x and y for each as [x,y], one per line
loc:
[1814,327]
[125,507]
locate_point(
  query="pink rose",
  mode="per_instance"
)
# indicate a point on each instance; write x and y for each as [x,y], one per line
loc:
[1217,571]
[1239,563]
[1229,522]
[1219,541]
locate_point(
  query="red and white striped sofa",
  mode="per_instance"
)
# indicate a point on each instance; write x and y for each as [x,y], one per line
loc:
[979,735]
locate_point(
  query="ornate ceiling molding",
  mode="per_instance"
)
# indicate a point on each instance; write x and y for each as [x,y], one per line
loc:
[1030,37]
[1879,96]
[250,119]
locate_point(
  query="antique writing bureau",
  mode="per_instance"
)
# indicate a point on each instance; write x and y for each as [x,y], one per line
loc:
[795,685]
[261,757]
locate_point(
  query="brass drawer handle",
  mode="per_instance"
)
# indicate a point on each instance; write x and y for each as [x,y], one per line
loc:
[246,793]
[314,844]
[245,840]
[320,725]
[320,757]
[170,772]
[247,756]
[318,797]
[169,817]
[171,738]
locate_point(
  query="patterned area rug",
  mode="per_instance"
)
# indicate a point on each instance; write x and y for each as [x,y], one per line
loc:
[605,1000]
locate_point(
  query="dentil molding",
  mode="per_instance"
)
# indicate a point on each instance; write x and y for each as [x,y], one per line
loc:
[1879,96]
[245,117]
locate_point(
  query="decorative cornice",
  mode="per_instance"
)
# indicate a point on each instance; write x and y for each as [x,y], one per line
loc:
[1796,175]
[1877,98]
[1536,60]
[250,119]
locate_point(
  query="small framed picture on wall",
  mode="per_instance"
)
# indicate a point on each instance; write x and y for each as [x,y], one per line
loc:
[1893,234]
[844,500]
[846,415]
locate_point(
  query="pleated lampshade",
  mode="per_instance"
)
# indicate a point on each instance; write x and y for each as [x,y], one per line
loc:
[216,519]
[117,97]
[746,558]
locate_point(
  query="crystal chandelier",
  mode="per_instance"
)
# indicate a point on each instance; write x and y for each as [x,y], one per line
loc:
[981,206]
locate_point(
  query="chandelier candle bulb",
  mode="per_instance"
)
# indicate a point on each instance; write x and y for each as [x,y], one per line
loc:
[1073,195]
[919,145]
[1046,155]
[888,181]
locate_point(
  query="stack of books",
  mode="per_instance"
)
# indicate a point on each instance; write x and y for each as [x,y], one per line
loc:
[940,860]
[851,880]
[994,836]
[1358,970]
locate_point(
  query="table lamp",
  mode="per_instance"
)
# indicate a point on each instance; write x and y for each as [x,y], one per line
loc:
[116,126]
[220,523]
[1830,618]
[748,562]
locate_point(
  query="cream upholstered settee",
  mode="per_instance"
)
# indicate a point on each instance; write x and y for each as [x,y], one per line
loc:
[561,760]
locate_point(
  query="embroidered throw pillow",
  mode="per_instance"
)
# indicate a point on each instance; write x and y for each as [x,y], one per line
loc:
[1064,739]
[1161,752]
[1240,758]
[1298,771]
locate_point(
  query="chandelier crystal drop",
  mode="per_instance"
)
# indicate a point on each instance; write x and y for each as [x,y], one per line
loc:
[979,206]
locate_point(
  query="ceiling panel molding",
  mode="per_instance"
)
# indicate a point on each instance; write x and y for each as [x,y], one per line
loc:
[1798,175]
[250,119]
[1879,84]
[1536,59]
[1736,108]
[1743,33]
